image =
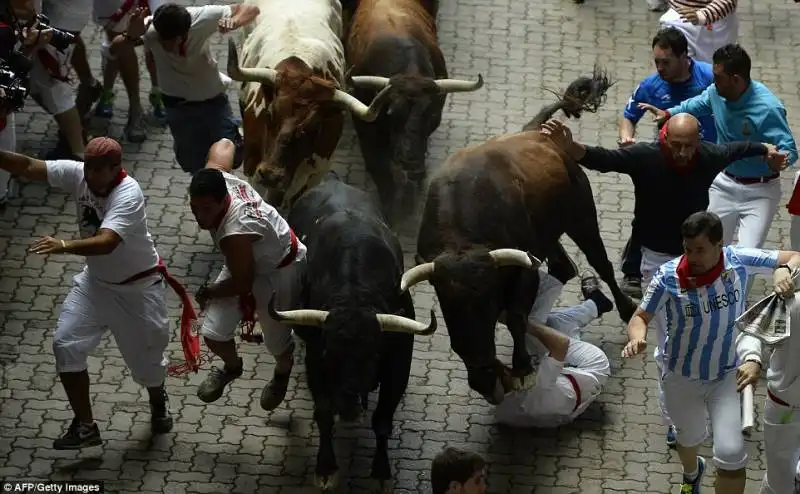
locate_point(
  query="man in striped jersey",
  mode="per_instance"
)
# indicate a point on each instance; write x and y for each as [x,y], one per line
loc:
[707,24]
[706,359]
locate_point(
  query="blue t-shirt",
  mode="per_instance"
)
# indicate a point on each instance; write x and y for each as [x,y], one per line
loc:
[663,95]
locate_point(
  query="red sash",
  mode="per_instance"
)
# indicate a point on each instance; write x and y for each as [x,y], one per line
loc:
[577,389]
[794,202]
[189,341]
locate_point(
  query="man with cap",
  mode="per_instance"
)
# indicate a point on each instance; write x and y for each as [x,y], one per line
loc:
[261,255]
[674,184]
[122,286]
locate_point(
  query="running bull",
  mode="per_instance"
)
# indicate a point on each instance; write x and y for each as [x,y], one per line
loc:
[356,339]
[492,211]
[393,43]
[291,71]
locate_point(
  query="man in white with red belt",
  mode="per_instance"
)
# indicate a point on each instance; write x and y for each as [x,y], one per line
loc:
[261,254]
[122,286]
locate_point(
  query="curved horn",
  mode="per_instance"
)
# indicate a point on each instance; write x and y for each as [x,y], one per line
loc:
[514,257]
[369,82]
[417,274]
[459,85]
[400,324]
[303,317]
[362,111]
[238,73]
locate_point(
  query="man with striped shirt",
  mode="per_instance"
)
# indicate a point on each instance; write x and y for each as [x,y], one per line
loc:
[707,24]
[706,360]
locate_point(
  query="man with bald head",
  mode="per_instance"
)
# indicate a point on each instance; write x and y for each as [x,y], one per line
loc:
[671,178]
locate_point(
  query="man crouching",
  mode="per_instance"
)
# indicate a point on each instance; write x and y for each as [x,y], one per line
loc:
[261,251]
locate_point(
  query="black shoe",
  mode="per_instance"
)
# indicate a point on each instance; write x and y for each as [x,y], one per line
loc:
[78,436]
[160,419]
[274,392]
[632,286]
[590,289]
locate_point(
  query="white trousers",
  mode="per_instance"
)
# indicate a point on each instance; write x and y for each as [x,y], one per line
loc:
[138,319]
[794,231]
[223,315]
[651,261]
[782,448]
[687,402]
[704,40]
[8,142]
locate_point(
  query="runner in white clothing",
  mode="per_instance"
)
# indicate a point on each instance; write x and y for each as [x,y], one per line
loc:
[122,286]
[706,360]
[261,253]
[571,373]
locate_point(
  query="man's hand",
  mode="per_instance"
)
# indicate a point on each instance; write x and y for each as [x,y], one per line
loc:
[35,39]
[48,245]
[782,282]
[747,373]
[227,24]
[634,347]
[626,141]
[689,15]
[659,116]
[776,160]
[137,26]
[562,138]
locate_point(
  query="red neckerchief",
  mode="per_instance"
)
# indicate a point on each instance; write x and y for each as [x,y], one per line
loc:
[119,178]
[688,281]
[667,152]
[226,205]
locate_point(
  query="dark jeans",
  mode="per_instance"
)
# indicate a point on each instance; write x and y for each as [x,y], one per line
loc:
[197,125]
[632,256]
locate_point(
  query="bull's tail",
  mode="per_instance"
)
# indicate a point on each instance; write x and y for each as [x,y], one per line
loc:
[543,116]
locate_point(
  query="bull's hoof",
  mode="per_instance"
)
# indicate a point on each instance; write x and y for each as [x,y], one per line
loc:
[326,483]
[524,382]
[381,486]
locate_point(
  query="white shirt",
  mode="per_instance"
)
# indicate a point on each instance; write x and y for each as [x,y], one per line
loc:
[783,374]
[249,214]
[193,77]
[702,341]
[123,212]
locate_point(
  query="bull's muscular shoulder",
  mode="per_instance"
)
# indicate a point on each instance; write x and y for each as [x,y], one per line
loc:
[401,18]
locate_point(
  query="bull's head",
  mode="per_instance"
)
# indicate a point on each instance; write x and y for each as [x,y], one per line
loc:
[301,103]
[473,292]
[351,344]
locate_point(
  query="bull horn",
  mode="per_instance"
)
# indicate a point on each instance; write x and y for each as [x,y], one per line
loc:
[238,73]
[417,274]
[303,317]
[399,324]
[362,111]
[514,257]
[458,85]
[369,82]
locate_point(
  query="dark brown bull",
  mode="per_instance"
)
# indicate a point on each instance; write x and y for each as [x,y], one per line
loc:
[292,119]
[393,43]
[492,211]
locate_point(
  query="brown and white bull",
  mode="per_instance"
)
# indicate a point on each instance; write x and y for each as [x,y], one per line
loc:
[493,211]
[394,43]
[292,67]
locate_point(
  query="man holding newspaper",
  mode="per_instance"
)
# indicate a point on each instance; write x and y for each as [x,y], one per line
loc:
[771,320]
[706,359]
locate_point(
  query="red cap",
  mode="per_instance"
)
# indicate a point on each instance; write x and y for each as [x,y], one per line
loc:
[104,148]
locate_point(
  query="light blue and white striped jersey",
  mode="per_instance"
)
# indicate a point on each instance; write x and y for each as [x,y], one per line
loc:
[701,334]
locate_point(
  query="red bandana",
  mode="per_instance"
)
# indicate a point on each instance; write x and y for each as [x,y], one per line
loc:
[667,152]
[119,178]
[688,281]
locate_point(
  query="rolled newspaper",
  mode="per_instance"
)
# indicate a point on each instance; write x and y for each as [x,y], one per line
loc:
[768,319]
[748,410]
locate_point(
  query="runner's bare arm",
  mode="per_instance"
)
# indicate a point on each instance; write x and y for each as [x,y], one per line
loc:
[238,252]
[221,155]
[23,166]
[103,243]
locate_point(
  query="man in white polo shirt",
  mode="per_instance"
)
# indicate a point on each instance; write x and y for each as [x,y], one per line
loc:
[193,91]
[122,287]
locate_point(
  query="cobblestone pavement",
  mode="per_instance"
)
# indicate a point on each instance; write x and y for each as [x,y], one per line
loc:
[233,446]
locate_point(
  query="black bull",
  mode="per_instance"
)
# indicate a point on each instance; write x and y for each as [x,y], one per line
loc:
[351,323]
[517,193]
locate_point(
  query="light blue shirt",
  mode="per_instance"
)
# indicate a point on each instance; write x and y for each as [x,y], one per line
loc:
[757,116]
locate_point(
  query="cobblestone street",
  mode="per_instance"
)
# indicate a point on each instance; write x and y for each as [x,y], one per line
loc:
[521,48]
